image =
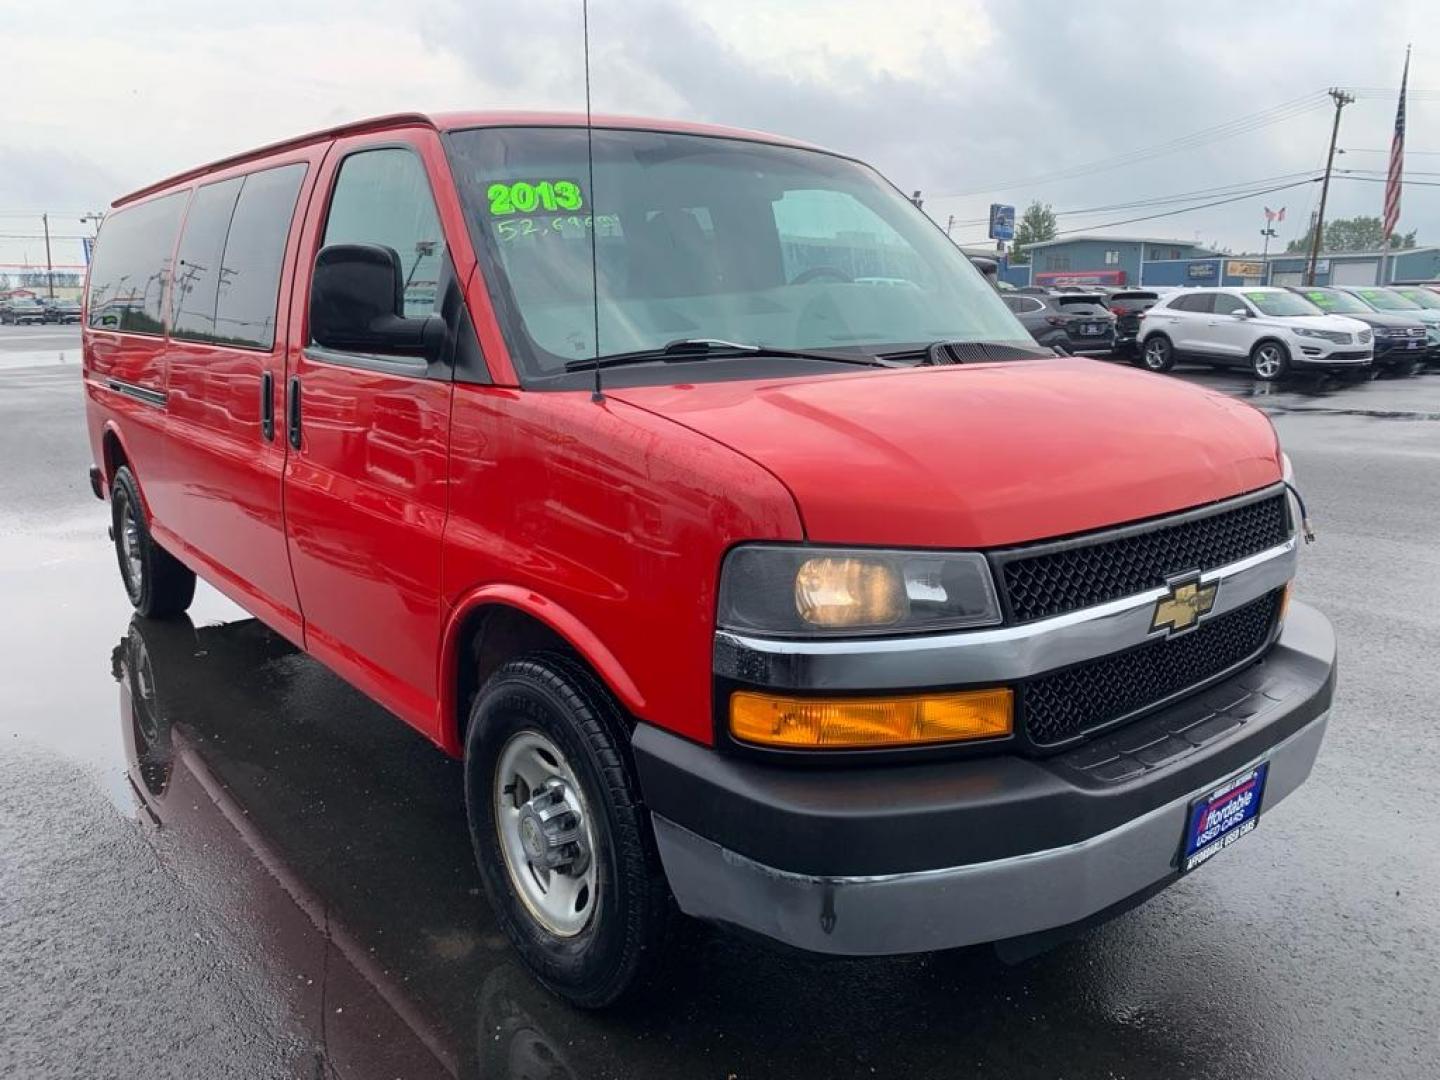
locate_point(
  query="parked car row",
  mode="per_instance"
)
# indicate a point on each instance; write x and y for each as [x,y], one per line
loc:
[1349,331]
[20,310]
[1352,331]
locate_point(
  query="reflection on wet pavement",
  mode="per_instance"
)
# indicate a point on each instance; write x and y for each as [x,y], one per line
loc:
[345,835]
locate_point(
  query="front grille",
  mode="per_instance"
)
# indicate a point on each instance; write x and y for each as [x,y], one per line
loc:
[1077,574]
[1364,337]
[1062,704]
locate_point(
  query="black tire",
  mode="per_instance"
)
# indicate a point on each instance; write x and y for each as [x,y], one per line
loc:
[158,584]
[617,951]
[1156,354]
[1269,360]
[1403,369]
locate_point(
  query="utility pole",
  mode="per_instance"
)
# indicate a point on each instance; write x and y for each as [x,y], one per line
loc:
[49,266]
[1341,99]
[1266,232]
[949,224]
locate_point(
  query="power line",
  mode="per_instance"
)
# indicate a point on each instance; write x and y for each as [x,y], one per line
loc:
[1172,213]
[1381,180]
[1252,122]
[1240,189]
[1236,188]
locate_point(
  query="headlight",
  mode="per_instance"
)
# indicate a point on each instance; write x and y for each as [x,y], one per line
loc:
[795,591]
[1325,335]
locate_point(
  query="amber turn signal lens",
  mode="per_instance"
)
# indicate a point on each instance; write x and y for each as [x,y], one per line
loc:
[802,723]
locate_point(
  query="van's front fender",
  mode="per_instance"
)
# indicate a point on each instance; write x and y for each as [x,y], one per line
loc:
[581,638]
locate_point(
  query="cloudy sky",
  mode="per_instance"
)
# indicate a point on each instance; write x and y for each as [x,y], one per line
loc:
[968,100]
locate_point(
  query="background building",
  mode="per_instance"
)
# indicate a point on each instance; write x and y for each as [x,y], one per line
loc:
[1113,260]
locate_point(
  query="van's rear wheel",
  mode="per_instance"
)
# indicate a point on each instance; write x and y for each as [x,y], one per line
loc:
[564,849]
[157,583]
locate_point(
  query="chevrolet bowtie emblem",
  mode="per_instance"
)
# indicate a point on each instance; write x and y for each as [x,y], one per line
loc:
[1182,607]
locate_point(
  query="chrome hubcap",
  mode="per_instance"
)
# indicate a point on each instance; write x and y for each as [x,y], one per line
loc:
[545,834]
[1154,354]
[1267,362]
[130,544]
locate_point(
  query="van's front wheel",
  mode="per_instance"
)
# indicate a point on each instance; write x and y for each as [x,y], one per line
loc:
[564,850]
[157,583]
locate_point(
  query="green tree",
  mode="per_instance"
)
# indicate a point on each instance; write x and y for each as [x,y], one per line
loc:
[1037,224]
[1352,234]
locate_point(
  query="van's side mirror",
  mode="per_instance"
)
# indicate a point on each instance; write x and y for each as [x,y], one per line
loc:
[1240,313]
[357,304]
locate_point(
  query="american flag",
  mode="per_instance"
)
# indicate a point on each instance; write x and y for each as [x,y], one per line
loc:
[1397,158]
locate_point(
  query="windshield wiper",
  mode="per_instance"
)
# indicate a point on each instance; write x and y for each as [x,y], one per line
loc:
[687,349]
[947,351]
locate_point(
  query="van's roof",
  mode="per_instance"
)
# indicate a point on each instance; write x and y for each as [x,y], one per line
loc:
[454,121]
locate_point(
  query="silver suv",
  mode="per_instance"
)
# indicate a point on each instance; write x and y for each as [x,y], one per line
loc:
[1270,331]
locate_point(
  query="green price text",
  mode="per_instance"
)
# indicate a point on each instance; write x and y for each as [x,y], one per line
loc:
[525,196]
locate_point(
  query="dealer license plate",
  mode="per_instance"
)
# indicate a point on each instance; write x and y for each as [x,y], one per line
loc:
[1414,344]
[1090,328]
[1222,817]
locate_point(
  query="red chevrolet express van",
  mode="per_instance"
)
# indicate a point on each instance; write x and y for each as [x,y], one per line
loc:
[839,613]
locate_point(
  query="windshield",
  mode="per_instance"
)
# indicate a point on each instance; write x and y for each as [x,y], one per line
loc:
[1339,303]
[1422,297]
[1386,300]
[1281,303]
[701,237]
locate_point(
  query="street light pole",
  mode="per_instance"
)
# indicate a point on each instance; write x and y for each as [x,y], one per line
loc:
[1267,233]
[49,266]
[1341,99]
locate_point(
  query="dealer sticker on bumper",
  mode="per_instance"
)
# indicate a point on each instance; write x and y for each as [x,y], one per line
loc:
[1220,818]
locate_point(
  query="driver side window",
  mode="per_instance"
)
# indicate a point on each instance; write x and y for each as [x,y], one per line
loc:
[835,231]
[383,197]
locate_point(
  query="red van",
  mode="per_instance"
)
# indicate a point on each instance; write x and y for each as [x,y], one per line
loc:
[716,511]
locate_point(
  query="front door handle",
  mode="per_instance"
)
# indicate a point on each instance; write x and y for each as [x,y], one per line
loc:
[292,413]
[267,406]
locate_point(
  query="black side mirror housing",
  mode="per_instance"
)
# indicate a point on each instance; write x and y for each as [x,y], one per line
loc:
[357,304]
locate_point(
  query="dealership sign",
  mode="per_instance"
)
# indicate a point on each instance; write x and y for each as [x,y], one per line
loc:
[1244,268]
[1002,222]
[1200,270]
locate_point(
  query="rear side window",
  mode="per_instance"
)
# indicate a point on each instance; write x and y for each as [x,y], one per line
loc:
[250,278]
[197,270]
[227,281]
[1086,305]
[382,197]
[131,267]
[1200,302]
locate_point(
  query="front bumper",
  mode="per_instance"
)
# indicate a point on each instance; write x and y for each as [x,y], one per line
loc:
[918,857]
[1312,356]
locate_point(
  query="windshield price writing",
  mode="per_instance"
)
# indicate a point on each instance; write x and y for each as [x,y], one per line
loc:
[525,197]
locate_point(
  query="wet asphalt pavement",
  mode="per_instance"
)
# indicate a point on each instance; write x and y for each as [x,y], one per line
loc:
[217,860]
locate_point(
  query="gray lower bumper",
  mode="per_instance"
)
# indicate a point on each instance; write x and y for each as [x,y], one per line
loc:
[963,905]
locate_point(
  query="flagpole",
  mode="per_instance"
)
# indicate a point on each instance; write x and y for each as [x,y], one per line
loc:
[1393,177]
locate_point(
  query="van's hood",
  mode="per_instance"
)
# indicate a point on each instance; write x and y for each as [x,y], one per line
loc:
[981,455]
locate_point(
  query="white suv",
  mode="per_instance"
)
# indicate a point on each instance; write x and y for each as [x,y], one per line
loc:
[1269,331]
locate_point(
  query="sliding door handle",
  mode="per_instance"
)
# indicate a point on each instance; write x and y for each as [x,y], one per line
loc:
[292,413]
[267,406]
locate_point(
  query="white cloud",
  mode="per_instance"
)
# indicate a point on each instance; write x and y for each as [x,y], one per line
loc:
[945,95]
